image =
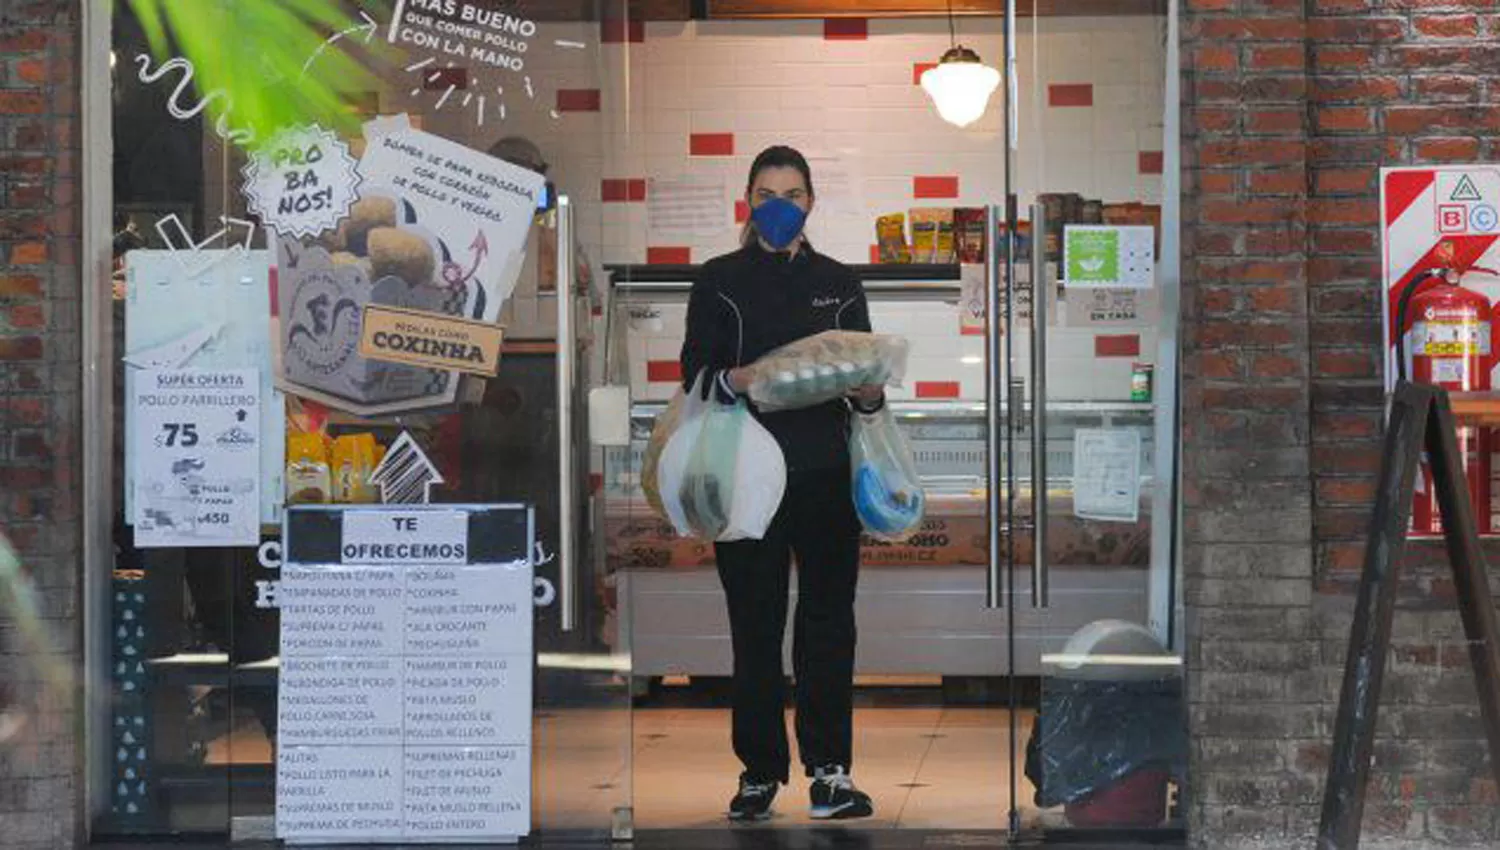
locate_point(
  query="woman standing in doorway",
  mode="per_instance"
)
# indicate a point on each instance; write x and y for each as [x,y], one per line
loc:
[775,290]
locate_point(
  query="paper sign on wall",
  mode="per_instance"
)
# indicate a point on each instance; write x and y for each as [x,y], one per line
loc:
[406,664]
[227,328]
[197,458]
[1107,474]
[1109,256]
[686,208]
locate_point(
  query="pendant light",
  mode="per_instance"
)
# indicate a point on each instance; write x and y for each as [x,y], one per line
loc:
[960,86]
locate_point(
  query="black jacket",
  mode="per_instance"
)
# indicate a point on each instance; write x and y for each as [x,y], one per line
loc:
[752,301]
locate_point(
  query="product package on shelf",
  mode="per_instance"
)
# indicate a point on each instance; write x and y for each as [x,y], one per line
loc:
[932,235]
[825,367]
[890,235]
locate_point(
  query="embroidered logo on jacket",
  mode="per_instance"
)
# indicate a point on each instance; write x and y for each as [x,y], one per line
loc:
[830,301]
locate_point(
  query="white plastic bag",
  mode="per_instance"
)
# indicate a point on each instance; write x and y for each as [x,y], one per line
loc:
[824,367]
[888,495]
[721,474]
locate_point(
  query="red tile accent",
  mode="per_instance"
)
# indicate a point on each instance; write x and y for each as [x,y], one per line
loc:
[669,256]
[1070,95]
[623,191]
[664,371]
[614,191]
[620,31]
[1151,162]
[578,100]
[442,78]
[846,29]
[711,144]
[1117,346]
[937,389]
[919,69]
[741,212]
[934,187]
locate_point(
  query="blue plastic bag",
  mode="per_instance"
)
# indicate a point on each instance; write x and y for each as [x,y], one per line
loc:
[888,495]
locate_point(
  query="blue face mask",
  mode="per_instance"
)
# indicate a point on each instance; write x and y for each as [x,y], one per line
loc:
[779,222]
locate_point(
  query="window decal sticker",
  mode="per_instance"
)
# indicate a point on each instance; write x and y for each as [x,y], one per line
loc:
[302,181]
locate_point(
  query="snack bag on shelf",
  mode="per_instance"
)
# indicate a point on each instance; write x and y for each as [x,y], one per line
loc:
[890,235]
[824,367]
[887,493]
[932,235]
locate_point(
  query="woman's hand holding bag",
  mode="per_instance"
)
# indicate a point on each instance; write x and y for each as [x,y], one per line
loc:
[720,474]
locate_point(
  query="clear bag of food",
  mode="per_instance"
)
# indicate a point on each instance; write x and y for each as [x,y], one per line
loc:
[888,495]
[824,367]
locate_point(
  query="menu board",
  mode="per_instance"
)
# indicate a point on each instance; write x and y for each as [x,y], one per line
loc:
[406,653]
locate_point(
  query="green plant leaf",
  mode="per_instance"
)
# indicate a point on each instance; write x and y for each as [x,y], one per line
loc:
[266,64]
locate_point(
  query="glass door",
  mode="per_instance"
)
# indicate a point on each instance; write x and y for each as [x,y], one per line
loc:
[1096,582]
[216,270]
[890,180]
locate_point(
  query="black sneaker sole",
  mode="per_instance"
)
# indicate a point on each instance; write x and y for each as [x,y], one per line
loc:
[742,817]
[848,811]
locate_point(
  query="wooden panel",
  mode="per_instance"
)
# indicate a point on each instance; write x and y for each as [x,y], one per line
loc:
[926,8]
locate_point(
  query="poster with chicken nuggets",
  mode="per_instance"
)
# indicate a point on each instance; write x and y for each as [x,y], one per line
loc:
[434,230]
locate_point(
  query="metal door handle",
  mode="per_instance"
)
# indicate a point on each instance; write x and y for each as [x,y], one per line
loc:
[567,556]
[994,397]
[1039,283]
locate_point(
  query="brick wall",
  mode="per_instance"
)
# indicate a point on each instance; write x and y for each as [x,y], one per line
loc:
[1290,109]
[40,780]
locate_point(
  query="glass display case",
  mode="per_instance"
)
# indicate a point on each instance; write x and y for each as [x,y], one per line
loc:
[920,602]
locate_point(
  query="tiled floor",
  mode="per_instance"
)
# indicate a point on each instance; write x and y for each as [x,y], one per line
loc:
[925,768]
[939,776]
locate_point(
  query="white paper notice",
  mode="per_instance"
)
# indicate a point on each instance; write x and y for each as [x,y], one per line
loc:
[840,186]
[406,677]
[1107,474]
[679,208]
[197,457]
[339,792]
[229,327]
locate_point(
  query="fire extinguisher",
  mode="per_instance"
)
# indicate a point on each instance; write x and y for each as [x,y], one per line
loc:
[1450,332]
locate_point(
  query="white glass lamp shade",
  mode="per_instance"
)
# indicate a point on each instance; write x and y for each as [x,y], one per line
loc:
[960,86]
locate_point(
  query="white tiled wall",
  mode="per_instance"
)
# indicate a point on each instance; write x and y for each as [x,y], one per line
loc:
[854,108]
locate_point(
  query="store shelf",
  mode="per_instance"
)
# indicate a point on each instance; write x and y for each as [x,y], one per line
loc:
[212,668]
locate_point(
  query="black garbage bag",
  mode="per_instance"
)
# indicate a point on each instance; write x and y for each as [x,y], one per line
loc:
[1089,735]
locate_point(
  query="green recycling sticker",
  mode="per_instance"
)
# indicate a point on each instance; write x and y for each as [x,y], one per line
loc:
[1104,256]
